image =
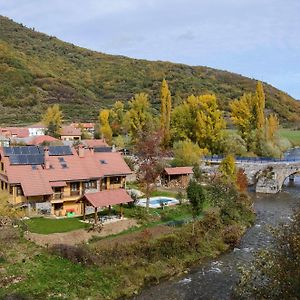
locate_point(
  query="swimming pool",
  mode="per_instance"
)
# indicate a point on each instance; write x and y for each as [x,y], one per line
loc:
[156,202]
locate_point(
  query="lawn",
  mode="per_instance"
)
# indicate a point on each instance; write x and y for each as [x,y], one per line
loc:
[292,135]
[47,226]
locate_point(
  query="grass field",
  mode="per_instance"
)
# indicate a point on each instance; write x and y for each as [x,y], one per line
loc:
[47,226]
[292,135]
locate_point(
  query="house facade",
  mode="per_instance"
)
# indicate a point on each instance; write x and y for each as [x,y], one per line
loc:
[52,179]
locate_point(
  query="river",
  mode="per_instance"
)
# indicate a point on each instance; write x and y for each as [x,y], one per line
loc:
[215,279]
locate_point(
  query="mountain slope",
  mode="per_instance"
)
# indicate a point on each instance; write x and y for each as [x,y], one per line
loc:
[37,70]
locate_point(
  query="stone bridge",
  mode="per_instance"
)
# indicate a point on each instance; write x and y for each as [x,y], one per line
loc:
[268,175]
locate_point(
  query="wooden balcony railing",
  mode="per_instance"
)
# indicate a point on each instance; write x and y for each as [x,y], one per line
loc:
[57,196]
[75,193]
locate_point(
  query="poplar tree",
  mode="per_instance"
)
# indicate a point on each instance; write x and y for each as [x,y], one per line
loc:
[259,106]
[52,119]
[210,124]
[272,125]
[242,116]
[165,112]
[105,128]
[138,117]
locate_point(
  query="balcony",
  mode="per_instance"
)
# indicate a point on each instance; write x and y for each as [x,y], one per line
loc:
[58,196]
[75,193]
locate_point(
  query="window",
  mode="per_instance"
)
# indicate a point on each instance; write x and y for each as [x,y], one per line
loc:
[61,159]
[103,162]
[90,184]
[75,186]
[19,191]
[115,180]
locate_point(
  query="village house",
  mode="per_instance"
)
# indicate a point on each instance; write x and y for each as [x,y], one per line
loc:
[52,179]
[14,132]
[89,127]
[36,129]
[70,133]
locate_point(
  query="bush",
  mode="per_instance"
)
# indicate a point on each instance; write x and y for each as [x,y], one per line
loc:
[232,235]
[76,254]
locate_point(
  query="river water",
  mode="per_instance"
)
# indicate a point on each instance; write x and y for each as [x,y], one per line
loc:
[215,279]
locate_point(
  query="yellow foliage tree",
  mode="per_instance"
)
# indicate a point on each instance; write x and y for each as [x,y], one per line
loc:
[117,117]
[260,106]
[165,112]
[105,128]
[242,116]
[52,119]
[228,168]
[138,117]
[272,125]
[210,123]
[7,210]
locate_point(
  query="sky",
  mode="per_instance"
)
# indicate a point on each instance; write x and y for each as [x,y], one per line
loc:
[256,38]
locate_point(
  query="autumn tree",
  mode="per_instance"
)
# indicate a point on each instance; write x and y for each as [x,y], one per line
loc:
[210,124]
[116,118]
[228,168]
[187,153]
[149,154]
[199,120]
[105,128]
[272,126]
[165,112]
[138,117]
[242,115]
[7,211]
[52,119]
[241,180]
[259,102]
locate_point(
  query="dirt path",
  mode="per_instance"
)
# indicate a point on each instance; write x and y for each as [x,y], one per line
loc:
[79,236]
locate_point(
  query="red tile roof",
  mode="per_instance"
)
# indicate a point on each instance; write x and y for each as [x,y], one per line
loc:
[70,131]
[19,132]
[108,197]
[95,143]
[179,171]
[38,140]
[38,181]
[84,125]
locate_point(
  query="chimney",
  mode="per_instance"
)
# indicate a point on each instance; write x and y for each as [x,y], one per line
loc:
[46,160]
[92,150]
[81,151]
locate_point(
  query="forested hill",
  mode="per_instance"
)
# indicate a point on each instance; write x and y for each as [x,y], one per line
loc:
[37,70]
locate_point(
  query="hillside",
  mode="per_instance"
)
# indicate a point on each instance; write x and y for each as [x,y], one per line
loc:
[37,70]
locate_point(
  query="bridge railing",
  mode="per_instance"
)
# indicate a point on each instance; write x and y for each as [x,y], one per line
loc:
[218,158]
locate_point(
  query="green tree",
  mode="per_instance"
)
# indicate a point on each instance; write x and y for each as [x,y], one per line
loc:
[165,112]
[196,196]
[187,153]
[52,119]
[105,128]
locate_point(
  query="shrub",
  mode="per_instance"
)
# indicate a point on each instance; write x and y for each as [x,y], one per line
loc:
[76,254]
[231,235]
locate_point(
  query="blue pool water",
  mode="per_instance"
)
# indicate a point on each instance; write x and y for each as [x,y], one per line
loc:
[161,200]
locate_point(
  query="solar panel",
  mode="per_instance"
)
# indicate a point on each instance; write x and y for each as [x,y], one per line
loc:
[7,151]
[64,165]
[102,149]
[61,159]
[26,159]
[60,150]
